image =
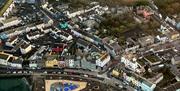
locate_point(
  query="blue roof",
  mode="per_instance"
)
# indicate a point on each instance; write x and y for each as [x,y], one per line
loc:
[63,25]
[3,36]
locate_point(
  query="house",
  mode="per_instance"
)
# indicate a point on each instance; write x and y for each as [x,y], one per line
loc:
[84,44]
[145,41]
[156,78]
[131,62]
[65,36]
[175,60]
[6,59]
[161,38]
[33,35]
[152,59]
[118,70]
[51,63]
[63,6]
[173,87]
[38,54]
[163,29]
[69,61]
[171,21]
[173,35]
[88,63]
[7,9]
[25,48]
[3,36]
[103,61]
[15,63]
[33,64]
[11,41]
[178,26]
[10,22]
[25,1]
[112,47]
[91,23]
[139,82]
[145,12]
[94,61]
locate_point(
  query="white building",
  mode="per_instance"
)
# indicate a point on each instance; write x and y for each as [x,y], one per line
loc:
[103,61]
[9,9]
[25,1]
[11,41]
[25,48]
[69,61]
[65,36]
[9,60]
[10,22]
[130,61]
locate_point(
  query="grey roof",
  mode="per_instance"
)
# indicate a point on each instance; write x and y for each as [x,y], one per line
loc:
[177,58]
[116,46]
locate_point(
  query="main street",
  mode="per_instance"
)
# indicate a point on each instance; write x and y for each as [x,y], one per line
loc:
[62,72]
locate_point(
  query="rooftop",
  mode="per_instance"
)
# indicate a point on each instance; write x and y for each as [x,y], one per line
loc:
[142,62]
[4,56]
[152,58]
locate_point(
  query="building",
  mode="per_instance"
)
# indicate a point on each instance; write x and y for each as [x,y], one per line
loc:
[6,8]
[178,26]
[162,38]
[118,70]
[103,61]
[173,35]
[91,23]
[3,36]
[10,22]
[156,78]
[163,29]
[25,48]
[33,35]
[147,40]
[175,60]
[33,64]
[51,63]
[15,63]
[7,60]
[25,1]
[112,47]
[139,82]
[69,61]
[11,41]
[132,45]
[65,36]
[130,61]
[152,59]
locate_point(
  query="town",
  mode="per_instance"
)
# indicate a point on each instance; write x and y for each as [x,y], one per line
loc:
[132,47]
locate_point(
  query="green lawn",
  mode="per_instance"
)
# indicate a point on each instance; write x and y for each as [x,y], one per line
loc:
[5,7]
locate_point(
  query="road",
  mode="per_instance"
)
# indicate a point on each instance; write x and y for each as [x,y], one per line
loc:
[70,72]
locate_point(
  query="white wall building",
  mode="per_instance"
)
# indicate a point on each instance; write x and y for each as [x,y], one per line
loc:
[103,60]
[130,61]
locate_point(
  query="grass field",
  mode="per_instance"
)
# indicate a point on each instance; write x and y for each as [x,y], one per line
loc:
[5,7]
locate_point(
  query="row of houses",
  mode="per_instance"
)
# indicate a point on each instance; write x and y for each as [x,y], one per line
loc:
[137,81]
